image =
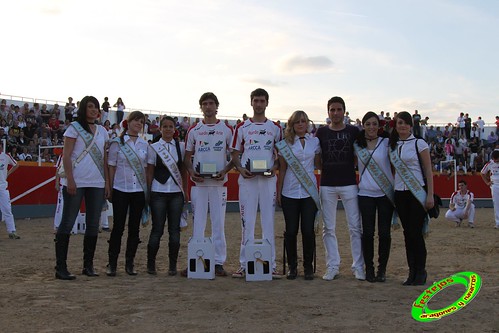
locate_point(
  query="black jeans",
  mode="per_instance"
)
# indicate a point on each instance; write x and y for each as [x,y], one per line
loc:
[165,205]
[294,210]
[368,207]
[123,203]
[412,216]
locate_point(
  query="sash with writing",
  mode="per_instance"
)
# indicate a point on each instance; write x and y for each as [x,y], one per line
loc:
[139,171]
[375,171]
[170,163]
[408,177]
[300,173]
[94,151]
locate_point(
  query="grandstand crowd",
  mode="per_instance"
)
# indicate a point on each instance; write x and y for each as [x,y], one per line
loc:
[32,126]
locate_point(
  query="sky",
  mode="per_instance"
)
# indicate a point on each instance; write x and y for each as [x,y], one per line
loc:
[439,57]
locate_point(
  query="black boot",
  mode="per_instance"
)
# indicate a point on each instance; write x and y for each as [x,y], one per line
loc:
[131,250]
[412,269]
[113,253]
[151,259]
[383,255]
[61,254]
[420,278]
[173,249]
[308,255]
[89,244]
[368,252]
[292,256]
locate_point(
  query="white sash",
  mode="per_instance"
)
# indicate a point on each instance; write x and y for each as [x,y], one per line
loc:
[170,163]
[91,148]
[134,162]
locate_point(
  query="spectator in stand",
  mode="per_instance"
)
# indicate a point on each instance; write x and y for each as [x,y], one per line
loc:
[467,126]
[68,109]
[185,124]
[492,139]
[154,129]
[21,122]
[36,139]
[120,106]
[24,154]
[45,114]
[42,129]
[107,125]
[65,125]
[3,109]
[13,153]
[105,111]
[461,169]
[3,124]
[30,117]
[424,127]
[36,110]
[22,140]
[3,135]
[45,139]
[57,140]
[449,150]
[10,117]
[25,109]
[15,130]
[480,125]
[54,124]
[475,133]
[460,124]
[459,152]
[46,156]
[32,148]
[416,119]
[431,134]
[474,147]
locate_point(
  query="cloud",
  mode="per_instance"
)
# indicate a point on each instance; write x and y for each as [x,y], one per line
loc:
[301,64]
[263,82]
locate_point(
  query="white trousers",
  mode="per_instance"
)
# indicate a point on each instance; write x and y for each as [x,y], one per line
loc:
[214,198]
[458,213]
[329,198]
[495,199]
[6,209]
[254,192]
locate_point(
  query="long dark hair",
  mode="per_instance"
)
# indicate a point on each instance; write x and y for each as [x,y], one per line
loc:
[81,117]
[394,137]
[361,137]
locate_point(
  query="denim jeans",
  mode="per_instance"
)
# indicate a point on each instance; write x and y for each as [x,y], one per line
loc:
[94,200]
[165,205]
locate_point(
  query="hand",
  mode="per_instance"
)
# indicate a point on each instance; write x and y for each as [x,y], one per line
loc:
[196,177]
[272,173]
[107,192]
[465,216]
[429,202]
[71,186]
[245,173]
[278,200]
[220,175]
[57,186]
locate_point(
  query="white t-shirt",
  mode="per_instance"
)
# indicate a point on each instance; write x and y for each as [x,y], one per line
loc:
[209,142]
[367,185]
[407,153]
[125,179]
[86,173]
[292,188]
[5,161]
[460,200]
[256,141]
[493,168]
[170,186]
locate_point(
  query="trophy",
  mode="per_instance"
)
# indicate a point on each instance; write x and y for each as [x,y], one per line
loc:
[207,170]
[258,167]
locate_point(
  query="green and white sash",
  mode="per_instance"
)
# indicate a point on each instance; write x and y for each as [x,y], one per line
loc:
[408,178]
[169,162]
[92,148]
[300,173]
[375,171]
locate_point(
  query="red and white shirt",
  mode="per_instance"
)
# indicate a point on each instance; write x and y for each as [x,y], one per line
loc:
[5,161]
[256,141]
[460,200]
[209,144]
[493,168]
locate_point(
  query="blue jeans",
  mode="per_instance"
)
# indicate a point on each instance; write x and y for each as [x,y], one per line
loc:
[94,200]
[165,205]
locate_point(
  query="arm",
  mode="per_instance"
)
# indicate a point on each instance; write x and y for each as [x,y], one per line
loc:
[111,174]
[426,162]
[283,166]
[69,144]
[196,177]
[222,173]
[486,178]
[318,161]
[185,181]
[237,164]
[12,170]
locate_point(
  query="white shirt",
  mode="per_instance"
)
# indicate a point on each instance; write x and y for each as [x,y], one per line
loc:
[367,185]
[209,143]
[125,179]
[292,188]
[170,186]
[256,141]
[493,168]
[407,153]
[5,161]
[460,200]
[86,173]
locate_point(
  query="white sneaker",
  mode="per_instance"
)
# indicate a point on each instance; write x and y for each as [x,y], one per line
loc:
[359,274]
[331,274]
[276,275]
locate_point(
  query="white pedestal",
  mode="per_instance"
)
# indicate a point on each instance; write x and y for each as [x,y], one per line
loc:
[79,226]
[258,260]
[201,259]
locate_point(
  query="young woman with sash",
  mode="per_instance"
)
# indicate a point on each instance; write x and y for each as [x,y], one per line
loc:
[297,194]
[412,200]
[375,194]
[128,160]
[85,177]
[168,183]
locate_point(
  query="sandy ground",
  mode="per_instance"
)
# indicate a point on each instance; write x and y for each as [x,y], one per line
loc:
[34,301]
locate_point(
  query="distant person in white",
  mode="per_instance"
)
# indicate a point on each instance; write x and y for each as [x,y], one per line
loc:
[461,206]
[5,207]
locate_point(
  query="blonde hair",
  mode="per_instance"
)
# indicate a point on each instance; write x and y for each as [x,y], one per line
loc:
[289,132]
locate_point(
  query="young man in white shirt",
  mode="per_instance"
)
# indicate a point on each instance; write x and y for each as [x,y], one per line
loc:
[490,175]
[208,142]
[255,138]
[461,206]
[5,207]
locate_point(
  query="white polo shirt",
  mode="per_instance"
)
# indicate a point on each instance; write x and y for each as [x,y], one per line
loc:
[493,168]
[5,161]
[460,200]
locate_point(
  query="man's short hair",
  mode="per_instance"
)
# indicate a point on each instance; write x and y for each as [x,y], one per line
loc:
[336,99]
[208,95]
[259,92]
[462,181]
[495,154]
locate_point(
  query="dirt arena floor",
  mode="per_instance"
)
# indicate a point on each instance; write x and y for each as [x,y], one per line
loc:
[34,301]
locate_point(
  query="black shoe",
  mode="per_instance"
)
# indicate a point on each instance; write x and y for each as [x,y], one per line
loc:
[111,270]
[220,271]
[410,280]
[370,275]
[420,279]
[89,271]
[309,275]
[292,274]
[381,276]
[172,272]
[129,269]
[63,274]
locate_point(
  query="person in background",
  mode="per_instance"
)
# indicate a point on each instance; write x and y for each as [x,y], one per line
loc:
[120,112]
[461,206]
[490,176]
[5,207]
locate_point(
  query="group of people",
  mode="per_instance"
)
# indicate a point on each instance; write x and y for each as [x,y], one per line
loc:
[139,177]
